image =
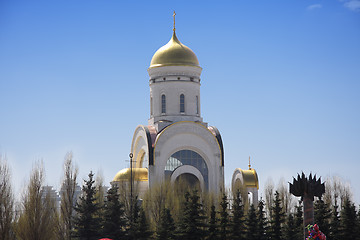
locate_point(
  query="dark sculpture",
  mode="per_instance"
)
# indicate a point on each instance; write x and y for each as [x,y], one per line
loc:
[307,188]
[303,186]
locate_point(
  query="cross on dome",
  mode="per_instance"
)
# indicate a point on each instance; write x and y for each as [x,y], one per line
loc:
[174,20]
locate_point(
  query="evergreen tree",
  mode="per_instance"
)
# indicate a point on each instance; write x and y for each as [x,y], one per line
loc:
[237,224]
[277,220]
[100,199]
[141,228]
[358,224]
[251,224]
[348,220]
[87,225]
[191,226]
[334,233]
[212,229]
[290,229]
[133,219]
[299,222]
[322,215]
[261,221]
[224,218]
[166,228]
[114,219]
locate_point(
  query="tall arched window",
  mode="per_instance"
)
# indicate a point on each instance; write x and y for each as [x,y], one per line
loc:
[197,104]
[163,103]
[182,103]
[151,106]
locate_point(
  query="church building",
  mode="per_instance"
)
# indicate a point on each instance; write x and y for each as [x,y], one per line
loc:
[176,144]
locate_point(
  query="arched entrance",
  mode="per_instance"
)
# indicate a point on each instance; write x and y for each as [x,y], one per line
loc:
[189,164]
[188,180]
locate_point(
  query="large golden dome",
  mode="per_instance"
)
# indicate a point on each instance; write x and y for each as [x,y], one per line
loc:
[138,174]
[174,53]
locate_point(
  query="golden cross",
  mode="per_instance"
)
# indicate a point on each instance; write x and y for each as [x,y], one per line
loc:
[249,163]
[174,20]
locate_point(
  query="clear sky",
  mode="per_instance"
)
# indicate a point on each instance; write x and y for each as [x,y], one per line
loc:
[281,81]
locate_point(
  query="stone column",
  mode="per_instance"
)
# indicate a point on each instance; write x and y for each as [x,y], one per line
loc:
[308,212]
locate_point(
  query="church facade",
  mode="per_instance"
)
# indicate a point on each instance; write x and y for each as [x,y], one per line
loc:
[176,145]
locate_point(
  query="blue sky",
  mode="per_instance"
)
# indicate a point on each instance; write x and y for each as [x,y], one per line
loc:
[281,81]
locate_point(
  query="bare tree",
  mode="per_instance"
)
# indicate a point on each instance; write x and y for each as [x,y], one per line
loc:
[38,217]
[286,198]
[336,191]
[100,195]
[100,188]
[68,197]
[155,200]
[124,190]
[6,201]
[269,196]
[171,196]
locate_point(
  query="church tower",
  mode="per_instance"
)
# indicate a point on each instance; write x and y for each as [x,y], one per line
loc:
[176,144]
[174,85]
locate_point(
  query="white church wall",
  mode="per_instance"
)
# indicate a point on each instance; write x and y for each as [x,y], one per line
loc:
[139,147]
[189,136]
[172,90]
[189,71]
[172,81]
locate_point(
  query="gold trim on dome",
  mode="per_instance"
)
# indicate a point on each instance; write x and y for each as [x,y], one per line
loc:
[139,174]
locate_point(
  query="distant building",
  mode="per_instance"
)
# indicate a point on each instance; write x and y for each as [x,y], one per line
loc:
[53,195]
[77,193]
[58,195]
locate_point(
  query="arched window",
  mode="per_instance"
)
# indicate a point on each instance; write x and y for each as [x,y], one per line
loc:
[182,103]
[163,103]
[151,106]
[187,157]
[197,104]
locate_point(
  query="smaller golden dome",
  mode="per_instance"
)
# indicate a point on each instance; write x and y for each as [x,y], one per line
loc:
[139,174]
[247,179]
[174,53]
[250,178]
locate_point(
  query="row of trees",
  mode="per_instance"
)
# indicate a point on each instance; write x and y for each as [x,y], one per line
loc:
[36,216]
[165,212]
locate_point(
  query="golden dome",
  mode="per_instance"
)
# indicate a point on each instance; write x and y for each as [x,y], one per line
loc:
[139,174]
[249,178]
[174,53]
